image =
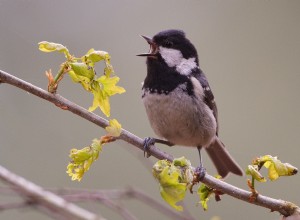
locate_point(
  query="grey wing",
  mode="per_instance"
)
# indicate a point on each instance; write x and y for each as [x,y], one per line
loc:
[209,96]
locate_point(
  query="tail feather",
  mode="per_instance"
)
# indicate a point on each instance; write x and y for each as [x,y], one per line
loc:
[222,159]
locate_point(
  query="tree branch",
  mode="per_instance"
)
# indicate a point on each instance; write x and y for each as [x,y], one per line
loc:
[283,207]
[78,110]
[102,195]
[46,199]
[87,195]
[15,205]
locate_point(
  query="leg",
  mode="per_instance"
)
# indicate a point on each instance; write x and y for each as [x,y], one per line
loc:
[151,141]
[200,156]
[200,171]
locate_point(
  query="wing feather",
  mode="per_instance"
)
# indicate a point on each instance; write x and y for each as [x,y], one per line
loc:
[208,95]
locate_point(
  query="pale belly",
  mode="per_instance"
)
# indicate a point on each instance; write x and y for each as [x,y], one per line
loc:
[179,119]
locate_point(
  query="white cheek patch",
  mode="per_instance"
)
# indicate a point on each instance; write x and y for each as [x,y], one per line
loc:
[174,58]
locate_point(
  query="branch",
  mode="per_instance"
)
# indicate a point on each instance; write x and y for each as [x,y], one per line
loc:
[283,207]
[102,195]
[78,110]
[15,205]
[53,203]
[24,204]
[105,200]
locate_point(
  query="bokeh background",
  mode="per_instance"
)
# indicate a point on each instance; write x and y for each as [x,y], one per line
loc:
[249,50]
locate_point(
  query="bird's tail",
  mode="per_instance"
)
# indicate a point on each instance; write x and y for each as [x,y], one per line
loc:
[222,159]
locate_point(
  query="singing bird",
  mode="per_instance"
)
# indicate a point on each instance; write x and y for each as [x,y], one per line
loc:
[179,101]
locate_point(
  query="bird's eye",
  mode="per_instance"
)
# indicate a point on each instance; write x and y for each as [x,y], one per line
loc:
[168,43]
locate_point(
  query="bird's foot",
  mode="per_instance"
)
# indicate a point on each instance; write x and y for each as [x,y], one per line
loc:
[151,141]
[146,145]
[200,172]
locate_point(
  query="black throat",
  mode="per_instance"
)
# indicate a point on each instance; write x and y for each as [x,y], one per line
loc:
[162,79]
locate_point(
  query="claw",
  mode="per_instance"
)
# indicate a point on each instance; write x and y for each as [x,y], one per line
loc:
[200,172]
[151,141]
[147,143]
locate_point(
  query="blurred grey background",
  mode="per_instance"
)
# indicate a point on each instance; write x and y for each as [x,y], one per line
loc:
[249,50]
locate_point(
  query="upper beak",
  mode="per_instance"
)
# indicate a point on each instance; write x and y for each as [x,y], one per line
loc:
[153,48]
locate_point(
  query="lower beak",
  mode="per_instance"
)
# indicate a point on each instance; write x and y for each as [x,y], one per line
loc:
[153,48]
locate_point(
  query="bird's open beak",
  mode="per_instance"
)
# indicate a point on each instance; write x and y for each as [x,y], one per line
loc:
[153,48]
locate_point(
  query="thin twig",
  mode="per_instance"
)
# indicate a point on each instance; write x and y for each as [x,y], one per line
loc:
[119,209]
[15,205]
[283,207]
[101,195]
[45,198]
[101,198]
[87,195]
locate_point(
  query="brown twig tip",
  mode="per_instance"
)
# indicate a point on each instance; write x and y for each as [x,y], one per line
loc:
[253,191]
[107,139]
[218,195]
[52,86]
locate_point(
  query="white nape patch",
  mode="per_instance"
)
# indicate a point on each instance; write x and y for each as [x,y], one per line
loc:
[174,58]
[198,89]
[186,66]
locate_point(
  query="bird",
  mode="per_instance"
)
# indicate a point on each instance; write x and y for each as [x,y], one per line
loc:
[179,102]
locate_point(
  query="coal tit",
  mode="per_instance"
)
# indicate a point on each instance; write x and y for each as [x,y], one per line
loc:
[178,99]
